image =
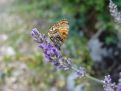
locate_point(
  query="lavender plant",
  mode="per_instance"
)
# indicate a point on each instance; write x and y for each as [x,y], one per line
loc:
[108,85]
[55,57]
[114,12]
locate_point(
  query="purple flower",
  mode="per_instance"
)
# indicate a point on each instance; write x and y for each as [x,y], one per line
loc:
[81,72]
[119,87]
[107,84]
[119,84]
[114,12]
[51,53]
[65,63]
[37,36]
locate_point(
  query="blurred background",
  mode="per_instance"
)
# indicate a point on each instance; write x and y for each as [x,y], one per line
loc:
[94,42]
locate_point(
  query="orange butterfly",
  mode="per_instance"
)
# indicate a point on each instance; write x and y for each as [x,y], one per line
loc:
[59,32]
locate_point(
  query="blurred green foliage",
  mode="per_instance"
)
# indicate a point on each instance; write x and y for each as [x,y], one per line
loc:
[81,13]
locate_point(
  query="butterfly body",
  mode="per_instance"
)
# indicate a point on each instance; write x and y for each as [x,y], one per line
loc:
[59,32]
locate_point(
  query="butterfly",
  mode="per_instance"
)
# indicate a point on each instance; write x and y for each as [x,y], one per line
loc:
[59,32]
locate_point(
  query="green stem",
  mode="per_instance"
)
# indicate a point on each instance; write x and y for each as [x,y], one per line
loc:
[89,77]
[94,79]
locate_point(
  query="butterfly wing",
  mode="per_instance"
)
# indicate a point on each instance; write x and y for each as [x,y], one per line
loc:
[59,32]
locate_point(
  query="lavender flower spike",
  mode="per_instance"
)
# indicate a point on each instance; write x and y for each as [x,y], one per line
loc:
[108,85]
[119,84]
[51,53]
[37,36]
[114,12]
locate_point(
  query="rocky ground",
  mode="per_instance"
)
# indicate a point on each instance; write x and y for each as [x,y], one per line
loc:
[14,75]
